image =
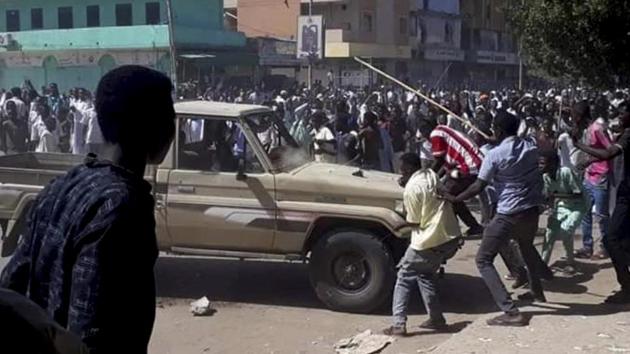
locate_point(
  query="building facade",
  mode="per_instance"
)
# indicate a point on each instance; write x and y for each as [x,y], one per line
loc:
[492,50]
[435,33]
[376,30]
[74,42]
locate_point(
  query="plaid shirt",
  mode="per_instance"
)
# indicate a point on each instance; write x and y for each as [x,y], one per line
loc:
[88,254]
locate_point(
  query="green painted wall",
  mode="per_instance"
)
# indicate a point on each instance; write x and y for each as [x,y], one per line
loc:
[198,26]
[107,11]
[136,37]
[65,77]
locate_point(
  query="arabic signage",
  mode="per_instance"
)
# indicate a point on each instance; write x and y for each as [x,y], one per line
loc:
[78,58]
[489,57]
[446,54]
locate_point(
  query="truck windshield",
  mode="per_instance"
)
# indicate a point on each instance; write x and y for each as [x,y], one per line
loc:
[283,151]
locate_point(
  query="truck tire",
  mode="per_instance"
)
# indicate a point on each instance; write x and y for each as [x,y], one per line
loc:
[352,271]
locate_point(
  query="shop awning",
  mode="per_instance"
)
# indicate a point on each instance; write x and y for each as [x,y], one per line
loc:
[220,59]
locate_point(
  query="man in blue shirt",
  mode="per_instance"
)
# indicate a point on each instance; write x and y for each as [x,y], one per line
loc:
[512,167]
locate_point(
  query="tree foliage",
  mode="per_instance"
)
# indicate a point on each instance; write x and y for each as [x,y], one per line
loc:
[580,39]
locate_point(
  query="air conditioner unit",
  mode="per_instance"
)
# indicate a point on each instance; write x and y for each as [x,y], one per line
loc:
[5,39]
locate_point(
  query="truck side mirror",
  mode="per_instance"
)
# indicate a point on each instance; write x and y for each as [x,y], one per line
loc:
[240,170]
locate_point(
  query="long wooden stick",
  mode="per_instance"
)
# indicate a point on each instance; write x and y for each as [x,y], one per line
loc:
[411,89]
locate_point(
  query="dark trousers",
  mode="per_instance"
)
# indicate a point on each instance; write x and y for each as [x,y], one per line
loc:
[617,242]
[454,186]
[522,227]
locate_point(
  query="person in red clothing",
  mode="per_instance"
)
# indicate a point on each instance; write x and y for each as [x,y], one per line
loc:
[457,162]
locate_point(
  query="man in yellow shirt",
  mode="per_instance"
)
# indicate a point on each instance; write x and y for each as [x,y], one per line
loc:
[435,238]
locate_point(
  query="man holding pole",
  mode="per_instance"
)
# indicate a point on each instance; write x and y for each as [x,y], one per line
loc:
[512,167]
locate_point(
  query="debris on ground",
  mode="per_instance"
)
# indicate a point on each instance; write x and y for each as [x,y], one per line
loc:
[201,307]
[363,343]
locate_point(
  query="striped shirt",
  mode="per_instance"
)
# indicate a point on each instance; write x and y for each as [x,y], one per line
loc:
[87,256]
[458,150]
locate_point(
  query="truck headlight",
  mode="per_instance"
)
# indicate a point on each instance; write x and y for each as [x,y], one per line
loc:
[399,207]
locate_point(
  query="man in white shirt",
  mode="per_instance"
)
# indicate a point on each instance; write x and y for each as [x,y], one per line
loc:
[323,139]
[435,238]
[93,137]
[48,141]
[78,135]
[16,97]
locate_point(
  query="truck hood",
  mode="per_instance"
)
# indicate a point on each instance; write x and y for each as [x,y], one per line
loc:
[343,182]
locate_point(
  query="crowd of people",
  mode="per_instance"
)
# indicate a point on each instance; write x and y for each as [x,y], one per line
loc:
[48,121]
[520,151]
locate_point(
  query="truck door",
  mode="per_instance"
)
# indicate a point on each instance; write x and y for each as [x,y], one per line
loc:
[211,205]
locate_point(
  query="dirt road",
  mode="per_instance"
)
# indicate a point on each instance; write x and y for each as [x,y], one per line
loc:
[269,307]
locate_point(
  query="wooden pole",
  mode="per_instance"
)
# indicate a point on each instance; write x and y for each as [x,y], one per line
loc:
[172,44]
[411,89]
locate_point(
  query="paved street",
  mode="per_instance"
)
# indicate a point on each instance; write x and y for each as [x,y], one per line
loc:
[269,307]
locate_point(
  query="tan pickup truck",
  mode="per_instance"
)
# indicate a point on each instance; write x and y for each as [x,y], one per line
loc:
[235,184]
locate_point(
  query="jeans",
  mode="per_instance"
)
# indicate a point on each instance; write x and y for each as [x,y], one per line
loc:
[618,241]
[522,227]
[598,196]
[420,267]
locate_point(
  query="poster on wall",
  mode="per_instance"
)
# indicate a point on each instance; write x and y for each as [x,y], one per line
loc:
[310,37]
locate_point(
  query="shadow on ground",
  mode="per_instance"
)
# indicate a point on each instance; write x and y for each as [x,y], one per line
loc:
[257,282]
[573,284]
[452,328]
[577,309]
[287,284]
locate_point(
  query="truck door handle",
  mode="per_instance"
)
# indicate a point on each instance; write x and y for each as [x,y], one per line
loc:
[186,189]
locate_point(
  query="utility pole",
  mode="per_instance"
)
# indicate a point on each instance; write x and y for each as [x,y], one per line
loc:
[310,55]
[520,59]
[171,41]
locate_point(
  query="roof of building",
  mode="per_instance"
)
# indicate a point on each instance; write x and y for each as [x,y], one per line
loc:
[218,109]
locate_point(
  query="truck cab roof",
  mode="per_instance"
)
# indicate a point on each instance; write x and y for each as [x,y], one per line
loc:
[218,109]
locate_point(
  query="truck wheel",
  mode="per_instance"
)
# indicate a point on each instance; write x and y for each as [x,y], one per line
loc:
[352,271]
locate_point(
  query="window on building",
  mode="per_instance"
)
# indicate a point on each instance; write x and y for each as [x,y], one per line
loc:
[413,25]
[500,42]
[425,4]
[404,26]
[124,15]
[93,15]
[477,38]
[488,13]
[448,33]
[13,20]
[466,38]
[64,16]
[152,11]
[422,31]
[367,22]
[37,19]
